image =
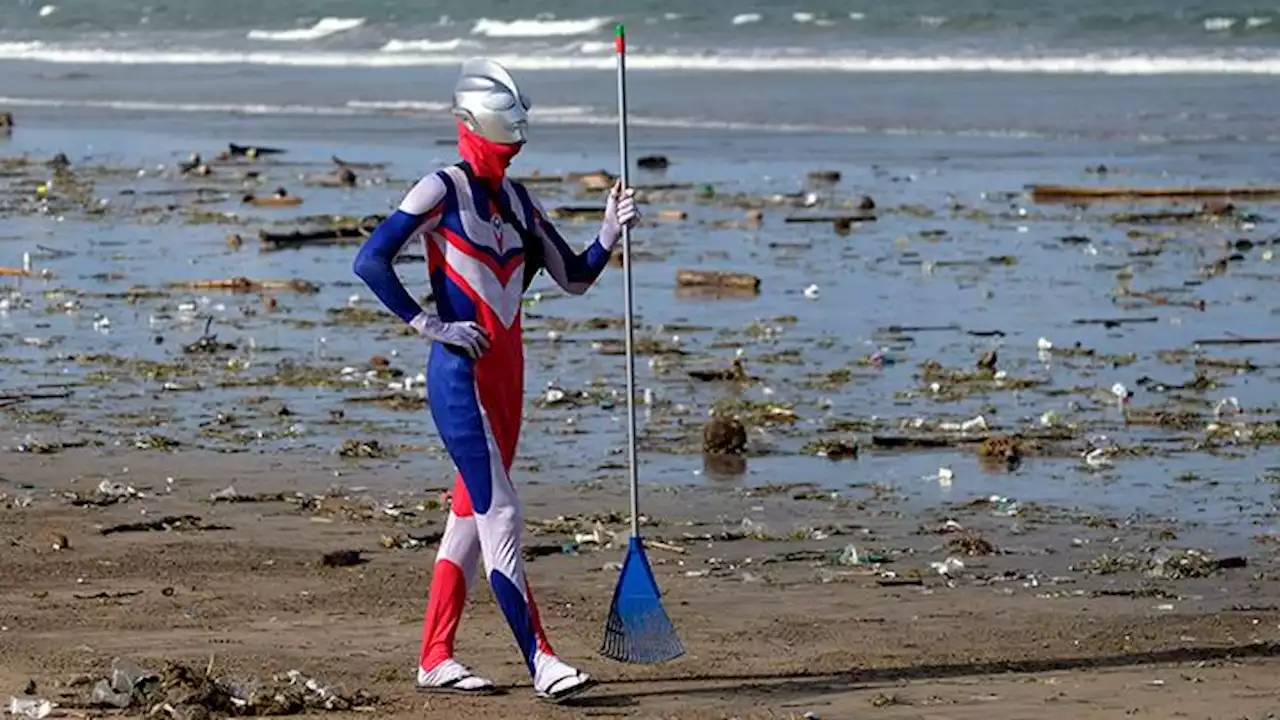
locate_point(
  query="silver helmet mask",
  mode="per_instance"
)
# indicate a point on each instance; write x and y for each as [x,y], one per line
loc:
[489,104]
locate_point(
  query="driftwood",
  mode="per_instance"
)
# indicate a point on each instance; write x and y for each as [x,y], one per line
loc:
[716,293]
[251,150]
[662,187]
[835,219]
[13,272]
[176,191]
[281,198]
[577,212]
[1239,341]
[7,399]
[244,284]
[1069,193]
[1162,300]
[358,165]
[599,180]
[653,162]
[540,179]
[342,177]
[1114,322]
[1210,210]
[714,279]
[340,235]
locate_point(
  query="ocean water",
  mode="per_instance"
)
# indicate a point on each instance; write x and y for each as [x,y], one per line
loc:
[1152,70]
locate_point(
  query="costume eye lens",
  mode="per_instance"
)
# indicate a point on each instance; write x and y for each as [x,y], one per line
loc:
[499,101]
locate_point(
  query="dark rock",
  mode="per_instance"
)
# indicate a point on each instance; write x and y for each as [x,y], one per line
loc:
[343,558]
[653,162]
[724,435]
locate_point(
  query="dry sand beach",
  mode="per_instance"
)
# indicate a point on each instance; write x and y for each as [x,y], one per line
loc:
[775,627]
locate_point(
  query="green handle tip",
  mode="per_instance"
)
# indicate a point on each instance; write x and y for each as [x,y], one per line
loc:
[618,30]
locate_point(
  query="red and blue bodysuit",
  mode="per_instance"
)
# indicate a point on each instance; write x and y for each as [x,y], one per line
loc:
[476,262]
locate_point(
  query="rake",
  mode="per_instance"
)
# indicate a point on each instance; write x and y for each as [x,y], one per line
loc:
[638,629]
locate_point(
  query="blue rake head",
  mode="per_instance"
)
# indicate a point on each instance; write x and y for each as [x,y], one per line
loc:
[638,629]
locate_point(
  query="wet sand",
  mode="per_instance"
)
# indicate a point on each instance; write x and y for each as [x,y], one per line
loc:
[773,627]
[935,514]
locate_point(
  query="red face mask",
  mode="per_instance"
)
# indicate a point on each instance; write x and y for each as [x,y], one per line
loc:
[488,159]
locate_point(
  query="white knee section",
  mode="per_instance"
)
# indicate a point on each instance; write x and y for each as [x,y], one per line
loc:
[460,545]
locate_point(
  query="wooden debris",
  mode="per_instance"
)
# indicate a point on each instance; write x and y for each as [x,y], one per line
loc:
[539,179]
[164,524]
[734,373]
[906,442]
[281,198]
[343,558]
[1068,193]
[1211,210]
[357,165]
[342,177]
[1114,322]
[340,235]
[1239,341]
[1160,299]
[13,272]
[672,214]
[577,212]
[596,181]
[244,284]
[659,545]
[724,436]
[251,151]
[715,279]
[824,176]
[662,187]
[898,581]
[653,162]
[712,292]
[834,219]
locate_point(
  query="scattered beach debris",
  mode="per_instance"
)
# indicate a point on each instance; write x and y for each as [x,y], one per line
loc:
[362,449]
[251,151]
[343,558]
[717,279]
[182,692]
[653,162]
[164,524]
[280,198]
[1060,193]
[724,435]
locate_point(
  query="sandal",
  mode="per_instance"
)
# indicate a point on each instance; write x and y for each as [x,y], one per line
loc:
[567,687]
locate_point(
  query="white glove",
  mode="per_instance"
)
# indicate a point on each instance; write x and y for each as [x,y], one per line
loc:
[619,212]
[466,335]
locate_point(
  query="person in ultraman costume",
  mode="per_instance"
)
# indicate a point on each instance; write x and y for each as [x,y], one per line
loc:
[485,235]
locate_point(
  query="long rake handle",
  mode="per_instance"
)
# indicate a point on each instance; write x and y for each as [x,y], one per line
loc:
[628,312]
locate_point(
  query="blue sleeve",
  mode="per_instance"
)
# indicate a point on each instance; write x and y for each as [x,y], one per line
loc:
[574,272]
[374,264]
